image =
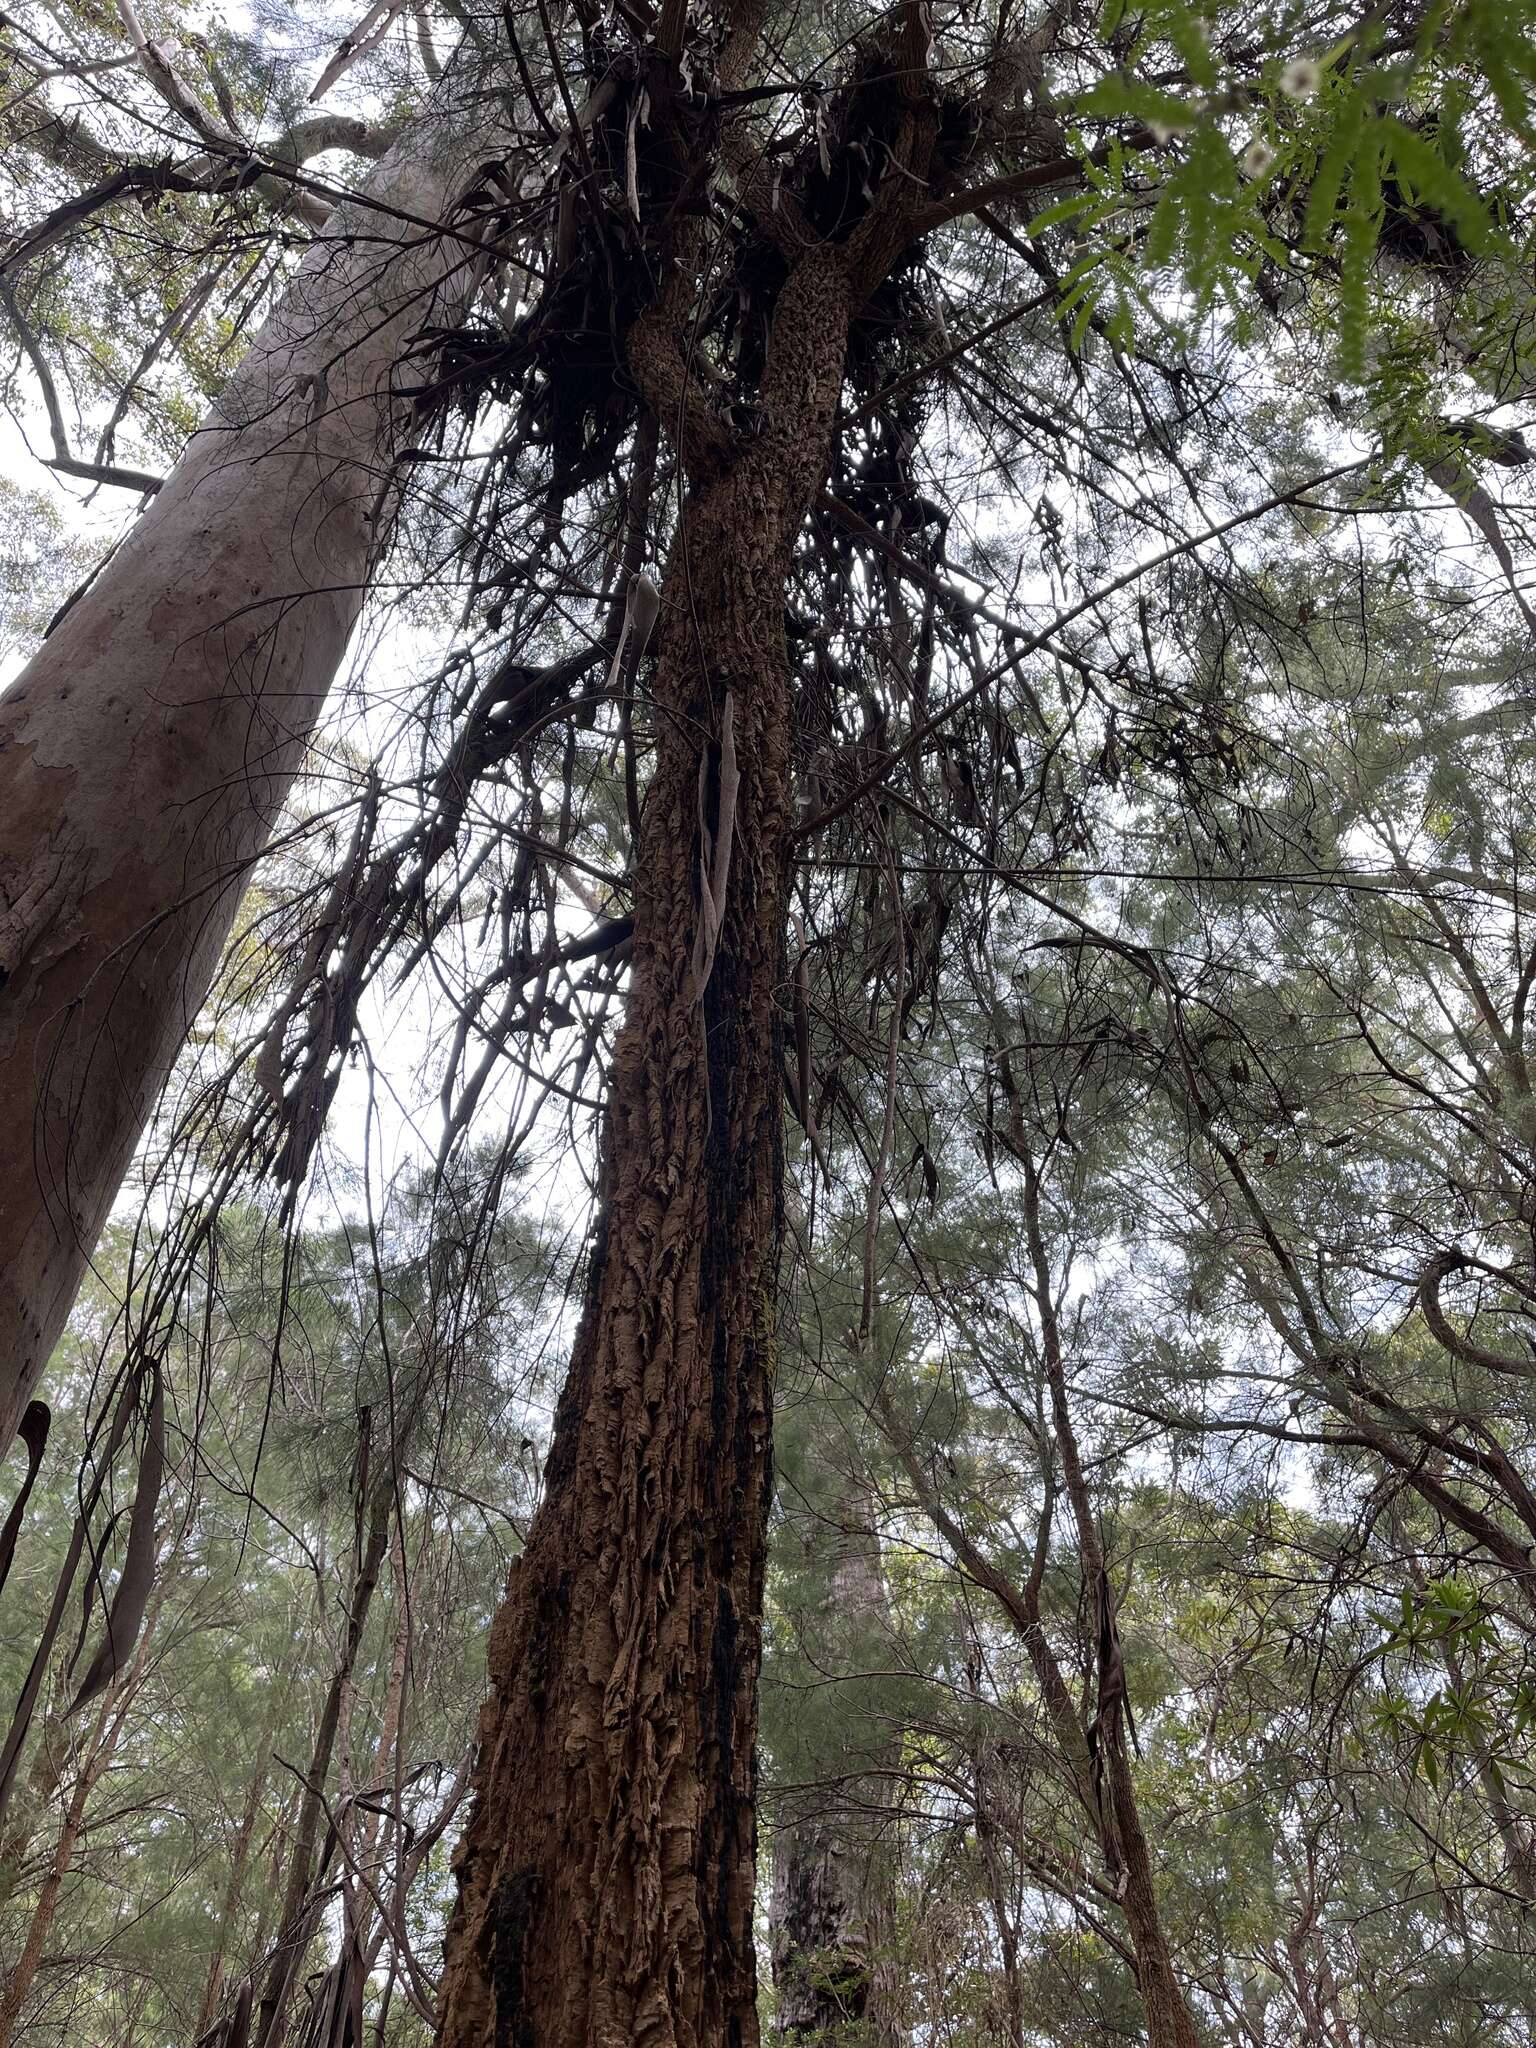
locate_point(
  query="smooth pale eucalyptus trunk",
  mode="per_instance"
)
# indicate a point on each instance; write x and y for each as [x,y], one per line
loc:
[606,1876]
[146,750]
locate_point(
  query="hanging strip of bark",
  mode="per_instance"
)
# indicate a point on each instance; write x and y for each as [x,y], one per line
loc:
[715,846]
[234,2029]
[26,1705]
[130,1598]
[34,1434]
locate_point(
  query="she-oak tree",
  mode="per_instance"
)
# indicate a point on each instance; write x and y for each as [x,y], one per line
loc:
[750,269]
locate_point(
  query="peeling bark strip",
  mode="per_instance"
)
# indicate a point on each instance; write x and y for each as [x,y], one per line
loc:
[33,1432]
[146,750]
[606,1875]
[130,1600]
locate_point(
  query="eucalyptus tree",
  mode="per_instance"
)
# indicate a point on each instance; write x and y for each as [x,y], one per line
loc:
[801,313]
[181,686]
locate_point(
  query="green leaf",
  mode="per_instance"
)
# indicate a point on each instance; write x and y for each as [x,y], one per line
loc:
[1338,157]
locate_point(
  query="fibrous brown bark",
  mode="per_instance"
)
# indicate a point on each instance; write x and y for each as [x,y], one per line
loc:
[606,1875]
[146,749]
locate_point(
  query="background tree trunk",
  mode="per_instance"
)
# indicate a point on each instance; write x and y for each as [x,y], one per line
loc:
[607,1872]
[296,1927]
[830,1911]
[146,749]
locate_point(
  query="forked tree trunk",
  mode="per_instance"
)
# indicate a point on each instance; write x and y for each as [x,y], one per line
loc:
[1170,2024]
[146,749]
[1108,1794]
[606,1875]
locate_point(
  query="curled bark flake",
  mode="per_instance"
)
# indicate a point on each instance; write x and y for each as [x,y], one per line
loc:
[336,2008]
[641,607]
[1114,1694]
[802,1098]
[234,2029]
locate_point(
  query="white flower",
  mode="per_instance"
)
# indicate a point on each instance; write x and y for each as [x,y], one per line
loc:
[1257,158]
[1301,78]
[1165,131]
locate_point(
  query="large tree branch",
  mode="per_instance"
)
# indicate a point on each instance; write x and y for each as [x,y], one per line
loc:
[64,460]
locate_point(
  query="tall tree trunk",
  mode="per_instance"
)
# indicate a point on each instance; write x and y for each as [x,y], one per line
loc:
[830,1910]
[296,1927]
[1124,1838]
[240,1857]
[606,1874]
[146,749]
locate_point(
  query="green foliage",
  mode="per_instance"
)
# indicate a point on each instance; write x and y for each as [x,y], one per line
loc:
[180,1858]
[1333,168]
[1484,1708]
